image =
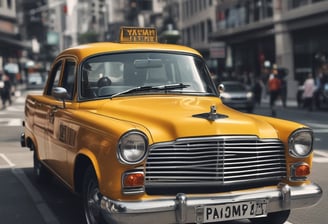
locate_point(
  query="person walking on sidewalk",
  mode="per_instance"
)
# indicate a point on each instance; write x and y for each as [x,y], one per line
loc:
[274,86]
[6,90]
[309,89]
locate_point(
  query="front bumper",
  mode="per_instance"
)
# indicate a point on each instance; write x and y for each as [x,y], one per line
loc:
[187,209]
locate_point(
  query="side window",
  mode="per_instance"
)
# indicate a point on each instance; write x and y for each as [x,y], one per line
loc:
[69,78]
[55,77]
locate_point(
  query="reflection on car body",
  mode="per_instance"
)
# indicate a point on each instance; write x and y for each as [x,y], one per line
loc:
[155,144]
[236,95]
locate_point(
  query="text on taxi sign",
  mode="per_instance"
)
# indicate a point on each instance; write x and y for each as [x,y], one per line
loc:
[132,34]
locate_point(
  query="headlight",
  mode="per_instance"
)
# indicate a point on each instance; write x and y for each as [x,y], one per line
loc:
[300,143]
[249,95]
[132,147]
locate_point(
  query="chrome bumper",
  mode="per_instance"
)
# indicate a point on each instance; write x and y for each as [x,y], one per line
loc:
[189,209]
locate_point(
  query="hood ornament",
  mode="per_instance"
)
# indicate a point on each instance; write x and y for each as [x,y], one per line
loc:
[212,115]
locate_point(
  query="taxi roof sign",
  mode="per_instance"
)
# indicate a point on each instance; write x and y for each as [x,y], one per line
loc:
[138,35]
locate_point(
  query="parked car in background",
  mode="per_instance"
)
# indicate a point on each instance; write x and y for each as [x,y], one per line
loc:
[35,80]
[237,95]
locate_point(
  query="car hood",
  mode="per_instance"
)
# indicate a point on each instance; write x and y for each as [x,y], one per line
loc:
[168,118]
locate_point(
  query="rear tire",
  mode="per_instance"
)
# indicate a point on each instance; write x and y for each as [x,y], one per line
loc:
[91,198]
[273,218]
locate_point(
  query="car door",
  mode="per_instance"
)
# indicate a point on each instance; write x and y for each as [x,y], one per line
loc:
[61,128]
[42,105]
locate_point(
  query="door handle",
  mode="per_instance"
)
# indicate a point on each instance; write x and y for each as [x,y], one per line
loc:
[52,112]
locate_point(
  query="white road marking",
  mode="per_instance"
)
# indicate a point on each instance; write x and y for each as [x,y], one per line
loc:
[20,100]
[317,127]
[11,122]
[320,156]
[15,122]
[12,109]
[324,130]
[5,158]
[18,108]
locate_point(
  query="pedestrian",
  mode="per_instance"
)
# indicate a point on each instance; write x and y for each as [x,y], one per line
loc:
[308,93]
[6,91]
[274,86]
[257,90]
[282,74]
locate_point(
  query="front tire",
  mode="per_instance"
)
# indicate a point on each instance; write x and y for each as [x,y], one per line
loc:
[91,197]
[273,218]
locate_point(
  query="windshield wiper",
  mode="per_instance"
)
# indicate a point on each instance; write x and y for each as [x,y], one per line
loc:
[149,88]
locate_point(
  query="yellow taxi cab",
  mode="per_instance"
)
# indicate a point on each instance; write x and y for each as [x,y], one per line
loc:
[138,129]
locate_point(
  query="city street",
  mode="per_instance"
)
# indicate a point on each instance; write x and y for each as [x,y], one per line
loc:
[25,201]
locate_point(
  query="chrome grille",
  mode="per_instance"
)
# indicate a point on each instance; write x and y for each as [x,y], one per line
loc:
[218,160]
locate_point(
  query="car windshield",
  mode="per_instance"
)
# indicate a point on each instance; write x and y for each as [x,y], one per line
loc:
[113,75]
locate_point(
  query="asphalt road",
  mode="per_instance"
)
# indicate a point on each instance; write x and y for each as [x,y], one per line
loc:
[25,201]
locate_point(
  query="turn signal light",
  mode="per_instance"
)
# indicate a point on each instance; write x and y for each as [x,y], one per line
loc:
[302,170]
[133,180]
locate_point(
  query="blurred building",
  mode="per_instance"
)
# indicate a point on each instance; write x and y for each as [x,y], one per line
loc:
[86,21]
[41,23]
[100,20]
[196,20]
[133,13]
[290,33]
[11,46]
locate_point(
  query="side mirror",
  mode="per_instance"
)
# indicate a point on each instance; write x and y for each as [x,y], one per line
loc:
[60,93]
[221,88]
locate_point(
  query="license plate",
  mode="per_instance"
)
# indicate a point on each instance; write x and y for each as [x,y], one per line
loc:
[234,211]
